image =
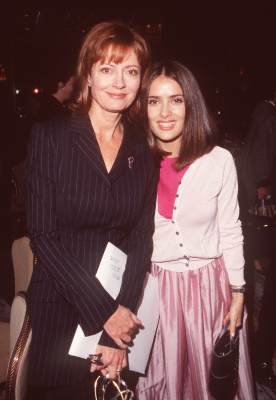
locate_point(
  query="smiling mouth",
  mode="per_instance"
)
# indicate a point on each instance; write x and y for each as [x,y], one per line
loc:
[166,126]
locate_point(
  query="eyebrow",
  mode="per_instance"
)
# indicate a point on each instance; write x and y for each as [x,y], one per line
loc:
[127,66]
[174,95]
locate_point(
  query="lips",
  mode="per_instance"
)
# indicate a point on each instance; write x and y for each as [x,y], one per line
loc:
[166,125]
[117,95]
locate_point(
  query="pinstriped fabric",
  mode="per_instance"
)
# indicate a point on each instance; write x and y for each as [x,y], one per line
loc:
[74,207]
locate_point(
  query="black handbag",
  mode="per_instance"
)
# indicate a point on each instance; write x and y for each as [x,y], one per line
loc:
[223,381]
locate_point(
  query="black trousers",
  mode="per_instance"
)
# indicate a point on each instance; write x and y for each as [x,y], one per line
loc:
[258,245]
[266,334]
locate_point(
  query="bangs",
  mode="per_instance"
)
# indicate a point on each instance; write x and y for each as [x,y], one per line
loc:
[116,52]
[107,42]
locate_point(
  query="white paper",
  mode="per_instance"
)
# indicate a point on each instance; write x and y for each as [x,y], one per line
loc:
[111,269]
[110,274]
[148,313]
[82,345]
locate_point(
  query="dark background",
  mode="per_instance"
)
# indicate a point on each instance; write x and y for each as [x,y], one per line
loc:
[229,46]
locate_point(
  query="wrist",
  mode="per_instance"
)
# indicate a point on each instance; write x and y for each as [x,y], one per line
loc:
[238,288]
[238,296]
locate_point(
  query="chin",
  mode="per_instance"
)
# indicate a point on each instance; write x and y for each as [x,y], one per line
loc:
[167,139]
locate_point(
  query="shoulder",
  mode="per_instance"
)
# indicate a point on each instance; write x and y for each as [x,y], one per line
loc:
[219,157]
[52,131]
[218,163]
[220,153]
[52,126]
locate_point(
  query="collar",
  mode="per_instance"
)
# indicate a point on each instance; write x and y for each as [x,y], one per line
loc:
[87,142]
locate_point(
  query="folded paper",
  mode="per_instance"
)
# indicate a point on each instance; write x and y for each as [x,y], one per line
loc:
[110,274]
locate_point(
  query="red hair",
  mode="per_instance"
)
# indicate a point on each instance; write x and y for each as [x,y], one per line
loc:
[106,41]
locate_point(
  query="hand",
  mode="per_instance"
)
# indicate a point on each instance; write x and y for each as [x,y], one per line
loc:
[262,192]
[114,360]
[122,326]
[234,316]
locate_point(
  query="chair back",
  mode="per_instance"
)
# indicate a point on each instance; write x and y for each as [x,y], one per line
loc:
[23,260]
[4,350]
[20,339]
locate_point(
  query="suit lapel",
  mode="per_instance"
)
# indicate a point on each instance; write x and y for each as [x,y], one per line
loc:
[88,145]
[126,158]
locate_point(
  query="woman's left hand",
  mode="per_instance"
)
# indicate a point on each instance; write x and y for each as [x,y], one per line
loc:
[234,316]
[113,361]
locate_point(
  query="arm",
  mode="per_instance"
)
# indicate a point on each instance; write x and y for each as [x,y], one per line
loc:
[91,302]
[231,239]
[139,256]
[141,246]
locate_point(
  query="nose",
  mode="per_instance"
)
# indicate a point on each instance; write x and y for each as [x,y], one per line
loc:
[119,81]
[165,110]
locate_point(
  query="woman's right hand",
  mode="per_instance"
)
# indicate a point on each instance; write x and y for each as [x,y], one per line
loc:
[122,326]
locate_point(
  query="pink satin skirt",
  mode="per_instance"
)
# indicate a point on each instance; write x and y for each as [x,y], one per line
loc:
[193,305]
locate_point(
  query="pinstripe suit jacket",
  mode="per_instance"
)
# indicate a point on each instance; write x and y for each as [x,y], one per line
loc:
[74,207]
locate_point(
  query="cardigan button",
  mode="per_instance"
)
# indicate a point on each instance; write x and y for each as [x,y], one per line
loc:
[177,233]
[181,244]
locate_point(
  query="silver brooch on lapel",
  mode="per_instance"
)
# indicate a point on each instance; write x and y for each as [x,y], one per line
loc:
[130,162]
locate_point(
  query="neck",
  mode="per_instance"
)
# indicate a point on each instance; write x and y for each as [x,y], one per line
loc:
[104,122]
[170,147]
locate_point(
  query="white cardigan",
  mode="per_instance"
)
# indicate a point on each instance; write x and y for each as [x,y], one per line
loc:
[205,222]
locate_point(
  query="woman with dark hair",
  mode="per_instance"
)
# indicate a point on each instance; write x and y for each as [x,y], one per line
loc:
[198,243]
[90,180]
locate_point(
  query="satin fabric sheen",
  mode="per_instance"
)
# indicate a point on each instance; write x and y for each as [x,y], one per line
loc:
[192,308]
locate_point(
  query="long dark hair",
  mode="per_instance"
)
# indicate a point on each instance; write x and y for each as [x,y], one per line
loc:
[199,131]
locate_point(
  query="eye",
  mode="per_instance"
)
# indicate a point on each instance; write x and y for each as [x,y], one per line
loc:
[105,70]
[152,101]
[178,100]
[133,72]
